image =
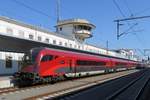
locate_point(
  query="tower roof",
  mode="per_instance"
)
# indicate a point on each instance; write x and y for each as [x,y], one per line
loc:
[75,21]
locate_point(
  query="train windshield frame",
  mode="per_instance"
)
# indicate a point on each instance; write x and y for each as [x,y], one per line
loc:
[34,55]
[30,57]
[26,60]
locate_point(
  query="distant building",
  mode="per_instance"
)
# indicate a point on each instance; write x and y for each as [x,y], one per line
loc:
[129,53]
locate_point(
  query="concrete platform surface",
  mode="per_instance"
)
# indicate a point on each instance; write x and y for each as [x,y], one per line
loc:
[6,81]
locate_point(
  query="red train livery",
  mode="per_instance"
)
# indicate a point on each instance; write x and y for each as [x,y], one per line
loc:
[49,65]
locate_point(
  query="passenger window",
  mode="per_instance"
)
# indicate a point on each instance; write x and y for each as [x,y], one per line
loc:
[47,58]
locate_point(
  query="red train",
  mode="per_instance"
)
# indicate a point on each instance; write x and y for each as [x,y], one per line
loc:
[49,65]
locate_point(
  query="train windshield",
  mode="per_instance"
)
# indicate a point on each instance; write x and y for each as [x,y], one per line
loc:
[34,55]
[26,60]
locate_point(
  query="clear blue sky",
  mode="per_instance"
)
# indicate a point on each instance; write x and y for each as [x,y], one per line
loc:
[99,12]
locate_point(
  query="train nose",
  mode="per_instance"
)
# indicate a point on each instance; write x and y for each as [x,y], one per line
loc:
[29,68]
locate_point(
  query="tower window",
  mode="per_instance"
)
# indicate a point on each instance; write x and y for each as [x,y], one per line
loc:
[60,28]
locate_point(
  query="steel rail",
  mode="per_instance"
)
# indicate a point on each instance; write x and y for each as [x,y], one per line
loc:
[142,89]
[77,88]
[117,93]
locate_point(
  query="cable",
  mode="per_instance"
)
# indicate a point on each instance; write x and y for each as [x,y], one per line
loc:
[118,8]
[126,3]
[33,9]
[144,10]
[130,27]
[140,41]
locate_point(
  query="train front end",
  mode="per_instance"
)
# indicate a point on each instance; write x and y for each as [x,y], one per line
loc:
[28,73]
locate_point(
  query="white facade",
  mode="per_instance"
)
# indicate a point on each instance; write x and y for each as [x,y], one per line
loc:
[65,37]
[15,58]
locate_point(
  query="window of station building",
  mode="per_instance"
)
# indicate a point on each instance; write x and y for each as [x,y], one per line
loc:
[54,41]
[47,40]
[75,46]
[30,36]
[9,31]
[21,33]
[19,62]
[39,38]
[47,58]
[65,44]
[60,43]
[78,46]
[71,45]
[8,62]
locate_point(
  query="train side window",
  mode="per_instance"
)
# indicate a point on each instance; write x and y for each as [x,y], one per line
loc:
[82,62]
[47,58]
[55,57]
[62,62]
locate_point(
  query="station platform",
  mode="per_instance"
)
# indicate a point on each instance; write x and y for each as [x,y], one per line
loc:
[6,81]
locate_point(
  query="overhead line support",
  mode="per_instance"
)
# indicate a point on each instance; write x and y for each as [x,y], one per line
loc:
[126,19]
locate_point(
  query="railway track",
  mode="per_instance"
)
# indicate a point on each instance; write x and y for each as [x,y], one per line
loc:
[5,90]
[130,87]
[136,87]
[62,87]
[68,91]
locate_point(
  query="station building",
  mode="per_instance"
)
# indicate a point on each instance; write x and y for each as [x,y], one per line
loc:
[17,37]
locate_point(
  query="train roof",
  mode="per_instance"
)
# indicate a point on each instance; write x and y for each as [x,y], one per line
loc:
[88,54]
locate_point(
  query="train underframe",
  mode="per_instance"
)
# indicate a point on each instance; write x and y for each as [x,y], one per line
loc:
[22,79]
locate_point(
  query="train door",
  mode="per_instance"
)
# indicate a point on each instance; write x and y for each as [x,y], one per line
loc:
[70,65]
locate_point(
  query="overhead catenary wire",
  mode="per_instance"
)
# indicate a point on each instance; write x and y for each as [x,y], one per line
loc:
[5,12]
[126,3]
[142,11]
[33,9]
[137,37]
[131,27]
[118,7]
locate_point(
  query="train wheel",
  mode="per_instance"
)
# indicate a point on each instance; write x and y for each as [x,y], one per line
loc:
[53,80]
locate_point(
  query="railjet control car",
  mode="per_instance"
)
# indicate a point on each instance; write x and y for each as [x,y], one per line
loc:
[44,65]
